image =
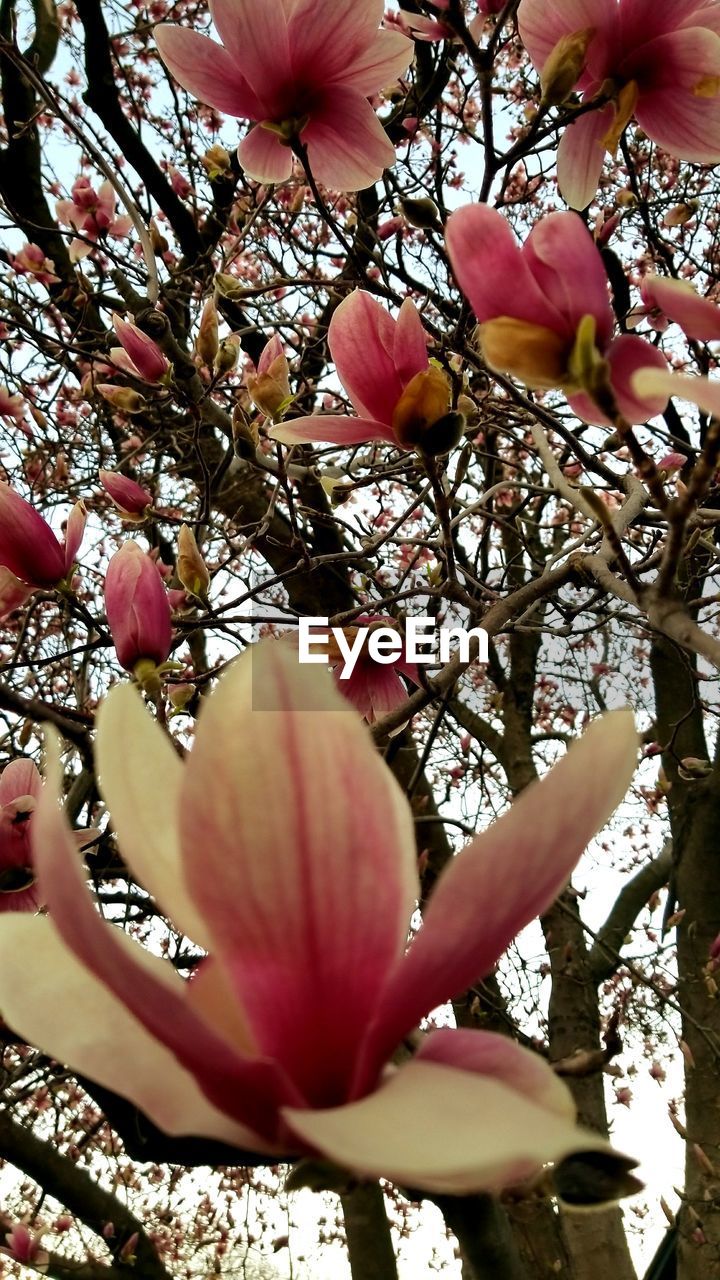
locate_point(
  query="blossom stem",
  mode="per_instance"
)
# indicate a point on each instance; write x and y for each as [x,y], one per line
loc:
[367,1231]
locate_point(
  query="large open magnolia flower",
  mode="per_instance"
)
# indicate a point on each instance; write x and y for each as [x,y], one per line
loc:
[303,69]
[284,847]
[656,60]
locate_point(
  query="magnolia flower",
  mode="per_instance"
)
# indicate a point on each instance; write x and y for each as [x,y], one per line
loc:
[658,61]
[284,847]
[374,688]
[138,610]
[700,319]
[383,365]
[31,261]
[269,385]
[130,498]
[20,786]
[92,214]
[11,406]
[138,355]
[31,557]
[303,70]
[22,1245]
[554,327]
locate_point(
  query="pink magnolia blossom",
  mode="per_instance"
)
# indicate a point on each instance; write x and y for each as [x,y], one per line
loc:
[554,326]
[137,607]
[31,557]
[22,1245]
[31,261]
[284,848]
[660,62]
[92,214]
[383,365]
[678,301]
[303,71]
[374,688]
[20,786]
[130,498]
[138,355]
[11,407]
[269,385]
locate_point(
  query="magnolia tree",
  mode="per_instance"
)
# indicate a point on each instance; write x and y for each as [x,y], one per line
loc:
[329,330]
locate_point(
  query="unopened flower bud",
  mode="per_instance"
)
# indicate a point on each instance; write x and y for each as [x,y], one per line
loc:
[217,163]
[245,434]
[143,357]
[131,500]
[564,66]
[157,240]
[137,608]
[227,355]
[269,387]
[444,434]
[206,343]
[122,398]
[425,400]
[190,567]
[422,213]
[680,214]
[692,769]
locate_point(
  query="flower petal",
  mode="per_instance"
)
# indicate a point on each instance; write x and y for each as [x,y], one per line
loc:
[410,343]
[567,265]
[48,997]
[488,1054]
[327,36]
[256,38]
[145,818]
[542,23]
[363,345]
[290,822]
[700,391]
[13,593]
[503,879]
[383,62]
[263,156]
[485,255]
[247,1089]
[625,356]
[443,1130]
[581,155]
[331,428]
[19,778]
[348,149]
[206,70]
[673,107]
[698,317]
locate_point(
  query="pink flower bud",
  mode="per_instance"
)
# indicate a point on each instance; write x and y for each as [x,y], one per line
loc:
[147,359]
[191,568]
[129,497]
[137,607]
[672,462]
[28,546]
[122,398]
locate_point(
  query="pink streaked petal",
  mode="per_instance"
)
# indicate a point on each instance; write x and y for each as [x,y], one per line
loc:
[256,38]
[13,593]
[707,15]
[326,36]
[330,428]
[440,1129]
[373,689]
[698,317]
[644,20]
[625,356]
[207,71]
[568,267]
[408,669]
[348,149]
[362,342]
[28,546]
[145,820]
[263,156]
[74,534]
[504,878]
[543,22]
[385,61]
[43,987]
[485,257]
[581,155]
[248,1090]
[410,354]
[677,118]
[488,1054]
[19,778]
[272,351]
[290,822]
[700,391]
